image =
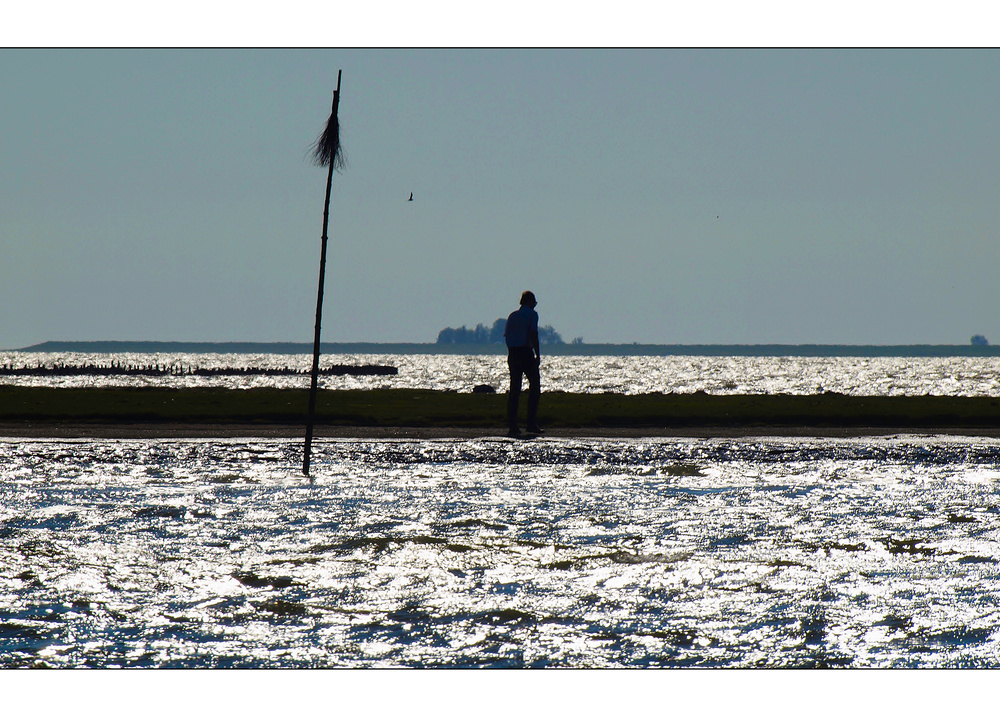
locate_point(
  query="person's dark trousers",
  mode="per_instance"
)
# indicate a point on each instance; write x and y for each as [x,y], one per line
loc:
[522,361]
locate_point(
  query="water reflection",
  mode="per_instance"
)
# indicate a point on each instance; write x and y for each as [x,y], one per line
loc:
[959,376]
[646,553]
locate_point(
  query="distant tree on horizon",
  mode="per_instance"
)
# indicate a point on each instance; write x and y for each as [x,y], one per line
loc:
[496,332]
[547,335]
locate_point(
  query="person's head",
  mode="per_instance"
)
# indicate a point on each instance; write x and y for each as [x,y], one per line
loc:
[528,298]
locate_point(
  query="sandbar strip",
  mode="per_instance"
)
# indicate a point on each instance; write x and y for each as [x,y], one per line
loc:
[159,430]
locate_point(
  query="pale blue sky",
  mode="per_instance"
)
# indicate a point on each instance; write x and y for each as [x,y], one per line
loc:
[667,196]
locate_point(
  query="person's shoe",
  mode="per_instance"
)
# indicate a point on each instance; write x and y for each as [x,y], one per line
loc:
[534,429]
[514,431]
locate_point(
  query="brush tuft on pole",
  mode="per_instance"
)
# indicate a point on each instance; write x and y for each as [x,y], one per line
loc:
[327,150]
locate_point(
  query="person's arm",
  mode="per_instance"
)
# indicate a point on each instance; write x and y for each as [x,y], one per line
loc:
[533,339]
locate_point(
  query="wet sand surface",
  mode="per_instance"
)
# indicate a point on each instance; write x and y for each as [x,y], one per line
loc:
[75,430]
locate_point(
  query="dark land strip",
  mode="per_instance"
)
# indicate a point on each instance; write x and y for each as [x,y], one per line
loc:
[152,412]
[117,369]
[574,349]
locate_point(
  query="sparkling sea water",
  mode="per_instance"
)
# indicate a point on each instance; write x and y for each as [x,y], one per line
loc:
[961,376]
[496,553]
[655,553]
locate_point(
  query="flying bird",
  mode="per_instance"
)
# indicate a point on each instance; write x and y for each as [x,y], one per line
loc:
[411,196]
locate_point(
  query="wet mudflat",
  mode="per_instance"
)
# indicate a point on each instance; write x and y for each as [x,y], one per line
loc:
[756,552]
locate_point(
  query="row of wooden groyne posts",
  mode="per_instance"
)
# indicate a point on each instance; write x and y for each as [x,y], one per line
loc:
[116,369]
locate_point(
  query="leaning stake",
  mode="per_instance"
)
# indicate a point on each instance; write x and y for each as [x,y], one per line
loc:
[327,153]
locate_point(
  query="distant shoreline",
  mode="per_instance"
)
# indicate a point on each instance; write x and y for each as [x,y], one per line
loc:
[580,350]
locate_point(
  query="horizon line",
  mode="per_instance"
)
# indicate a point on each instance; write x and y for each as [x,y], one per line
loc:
[774,349]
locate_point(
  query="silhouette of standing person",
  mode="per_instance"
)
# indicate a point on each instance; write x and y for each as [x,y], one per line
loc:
[523,358]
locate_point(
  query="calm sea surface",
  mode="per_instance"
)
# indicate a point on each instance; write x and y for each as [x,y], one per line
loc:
[628,375]
[755,552]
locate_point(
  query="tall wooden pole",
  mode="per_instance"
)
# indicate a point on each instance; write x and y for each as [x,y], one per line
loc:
[314,378]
